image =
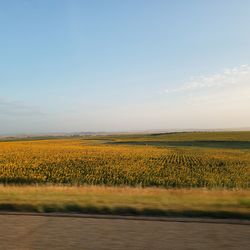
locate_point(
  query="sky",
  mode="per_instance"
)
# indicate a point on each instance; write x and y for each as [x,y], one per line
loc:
[113,65]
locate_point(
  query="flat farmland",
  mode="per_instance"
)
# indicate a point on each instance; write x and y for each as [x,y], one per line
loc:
[94,160]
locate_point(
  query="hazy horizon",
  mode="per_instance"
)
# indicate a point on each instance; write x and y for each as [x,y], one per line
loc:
[148,131]
[116,66]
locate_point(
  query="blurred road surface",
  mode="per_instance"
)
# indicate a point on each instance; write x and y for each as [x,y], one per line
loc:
[42,232]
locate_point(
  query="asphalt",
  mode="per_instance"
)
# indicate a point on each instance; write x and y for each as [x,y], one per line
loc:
[30,231]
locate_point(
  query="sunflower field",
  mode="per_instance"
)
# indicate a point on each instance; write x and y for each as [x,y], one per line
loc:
[74,162]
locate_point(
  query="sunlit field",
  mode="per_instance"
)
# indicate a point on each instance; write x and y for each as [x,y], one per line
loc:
[100,161]
[125,174]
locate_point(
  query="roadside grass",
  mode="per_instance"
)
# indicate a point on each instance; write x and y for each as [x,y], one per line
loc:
[217,203]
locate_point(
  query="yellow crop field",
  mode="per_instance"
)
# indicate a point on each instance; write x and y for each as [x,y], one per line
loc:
[78,162]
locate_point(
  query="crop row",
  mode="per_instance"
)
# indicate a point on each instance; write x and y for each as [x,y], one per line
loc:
[71,162]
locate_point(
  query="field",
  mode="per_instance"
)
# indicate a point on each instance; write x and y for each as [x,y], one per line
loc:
[127,201]
[102,160]
[199,174]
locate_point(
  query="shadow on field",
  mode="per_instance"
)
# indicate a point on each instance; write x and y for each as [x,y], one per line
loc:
[208,144]
[19,181]
[126,211]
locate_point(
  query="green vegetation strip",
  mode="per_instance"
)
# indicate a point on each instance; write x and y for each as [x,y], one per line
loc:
[180,136]
[207,144]
[127,201]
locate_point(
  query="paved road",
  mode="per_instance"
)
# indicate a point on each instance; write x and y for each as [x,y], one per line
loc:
[42,232]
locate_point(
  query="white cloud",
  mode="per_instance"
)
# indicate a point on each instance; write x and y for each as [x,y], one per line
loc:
[219,100]
[229,77]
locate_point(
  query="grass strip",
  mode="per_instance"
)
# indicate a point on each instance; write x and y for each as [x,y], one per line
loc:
[127,201]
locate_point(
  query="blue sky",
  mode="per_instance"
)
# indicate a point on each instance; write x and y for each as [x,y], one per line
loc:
[123,65]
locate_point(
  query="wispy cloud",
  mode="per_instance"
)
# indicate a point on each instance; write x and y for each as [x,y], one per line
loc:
[229,77]
[216,100]
[17,108]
